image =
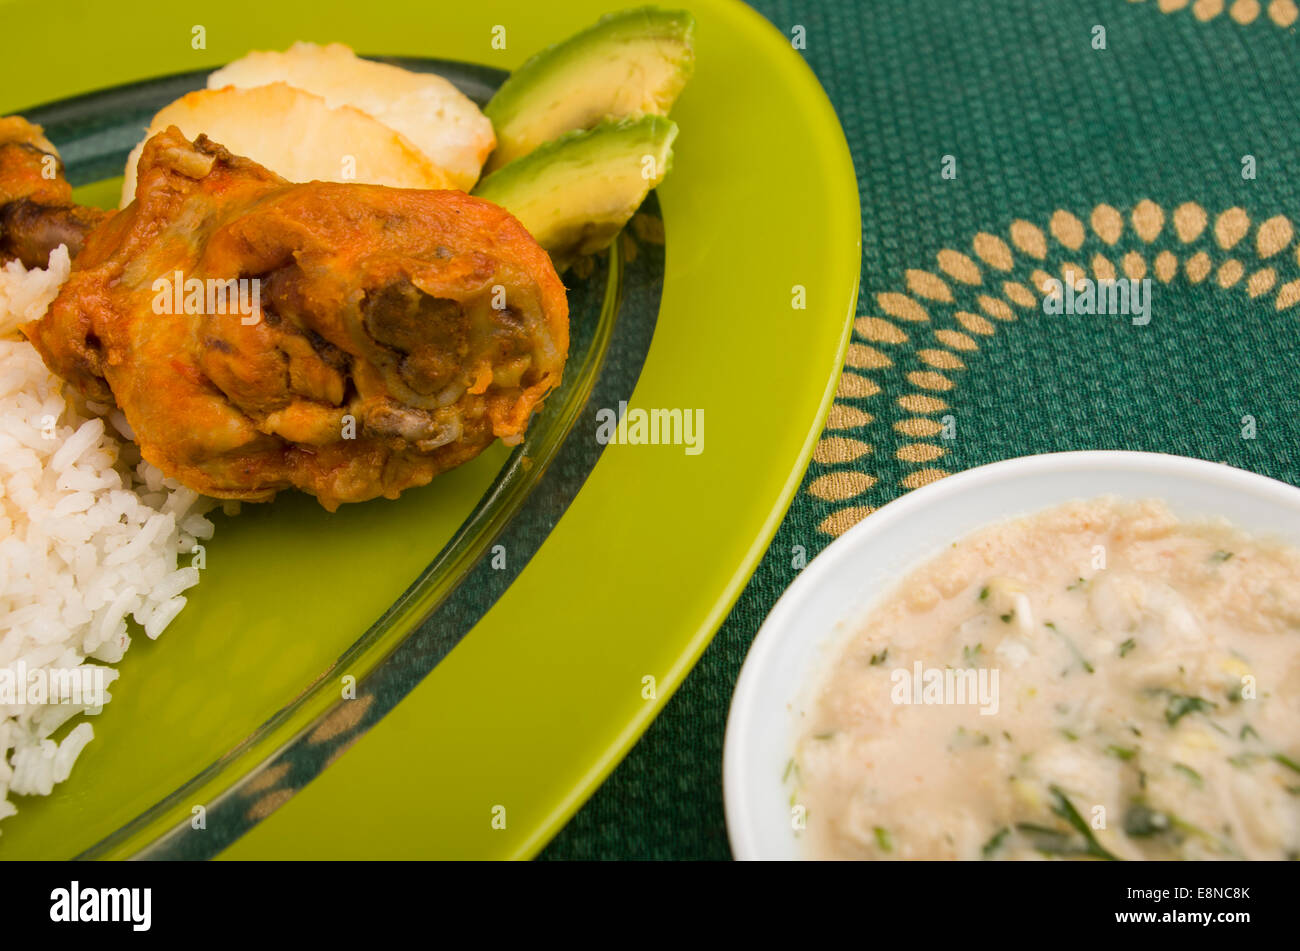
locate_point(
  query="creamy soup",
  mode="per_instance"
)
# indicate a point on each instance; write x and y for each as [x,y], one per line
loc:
[1099,680]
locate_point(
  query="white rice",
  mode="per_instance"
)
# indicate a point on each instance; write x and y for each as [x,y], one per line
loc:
[92,541]
[25,295]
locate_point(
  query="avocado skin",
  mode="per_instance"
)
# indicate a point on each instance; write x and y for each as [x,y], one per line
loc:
[553,93]
[575,193]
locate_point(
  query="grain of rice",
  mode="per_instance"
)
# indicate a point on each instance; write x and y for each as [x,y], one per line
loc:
[163,615]
[198,526]
[84,438]
[180,580]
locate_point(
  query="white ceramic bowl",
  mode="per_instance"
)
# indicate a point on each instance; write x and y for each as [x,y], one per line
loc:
[832,594]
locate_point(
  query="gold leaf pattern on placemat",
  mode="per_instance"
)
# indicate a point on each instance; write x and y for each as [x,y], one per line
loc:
[938,325]
[1283,13]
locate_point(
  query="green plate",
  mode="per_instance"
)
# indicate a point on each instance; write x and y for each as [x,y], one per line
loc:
[513,627]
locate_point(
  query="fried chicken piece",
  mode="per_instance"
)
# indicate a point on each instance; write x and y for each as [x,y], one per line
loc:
[391,334]
[37,213]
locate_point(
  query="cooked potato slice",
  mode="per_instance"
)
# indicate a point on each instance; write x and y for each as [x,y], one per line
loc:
[298,136]
[440,120]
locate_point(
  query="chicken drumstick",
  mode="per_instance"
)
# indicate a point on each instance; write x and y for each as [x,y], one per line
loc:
[389,334]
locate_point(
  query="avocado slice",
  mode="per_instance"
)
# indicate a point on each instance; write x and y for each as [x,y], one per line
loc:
[631,63]
[574,194]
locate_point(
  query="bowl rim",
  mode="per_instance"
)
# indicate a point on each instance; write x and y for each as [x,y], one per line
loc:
[737,803]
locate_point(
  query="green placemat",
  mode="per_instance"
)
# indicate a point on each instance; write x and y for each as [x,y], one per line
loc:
[999,143]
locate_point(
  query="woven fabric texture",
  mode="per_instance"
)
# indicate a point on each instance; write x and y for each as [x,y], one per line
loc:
[999,143]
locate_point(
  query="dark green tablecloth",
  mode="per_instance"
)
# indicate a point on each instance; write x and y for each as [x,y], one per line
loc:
[1169,154]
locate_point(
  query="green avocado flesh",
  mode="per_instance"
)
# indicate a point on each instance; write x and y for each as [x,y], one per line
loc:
[575,193]
[632,63]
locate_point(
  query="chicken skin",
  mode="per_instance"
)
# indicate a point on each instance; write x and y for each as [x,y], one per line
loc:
[348,340]
[37,213]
